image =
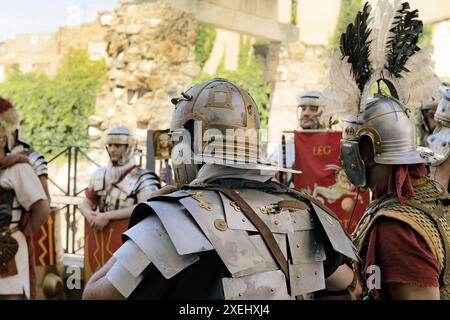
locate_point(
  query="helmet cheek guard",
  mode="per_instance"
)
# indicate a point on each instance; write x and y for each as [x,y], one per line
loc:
[184,167]
[352,163]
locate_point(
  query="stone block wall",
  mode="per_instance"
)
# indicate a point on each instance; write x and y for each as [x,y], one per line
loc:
[151,58]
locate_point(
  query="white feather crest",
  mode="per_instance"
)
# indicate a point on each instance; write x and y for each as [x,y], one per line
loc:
[342,95]
[380,23]
[420,84]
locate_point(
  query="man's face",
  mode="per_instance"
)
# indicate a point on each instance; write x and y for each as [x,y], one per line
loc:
[309,116]
[116,151]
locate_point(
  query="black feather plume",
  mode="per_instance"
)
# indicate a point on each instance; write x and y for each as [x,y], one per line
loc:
[355,45]
[403,44]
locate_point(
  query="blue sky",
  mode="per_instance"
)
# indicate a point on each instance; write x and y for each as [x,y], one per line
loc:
[23,16]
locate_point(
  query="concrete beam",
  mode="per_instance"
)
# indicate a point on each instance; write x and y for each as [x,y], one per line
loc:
[238,21]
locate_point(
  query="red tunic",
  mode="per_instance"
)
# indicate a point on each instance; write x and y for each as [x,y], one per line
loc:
[402,256]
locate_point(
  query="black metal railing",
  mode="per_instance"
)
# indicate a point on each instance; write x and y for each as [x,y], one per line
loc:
[68,198]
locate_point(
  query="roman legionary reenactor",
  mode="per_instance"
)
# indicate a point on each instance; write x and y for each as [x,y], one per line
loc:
[426,121]
[403,236]
[309,111]
[231,232]
[439,142]
[112,194]
[46,278]
[313,149]
[21,191]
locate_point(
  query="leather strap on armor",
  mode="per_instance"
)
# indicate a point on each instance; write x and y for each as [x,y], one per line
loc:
[6,207]
[313,200]
[293,204]
[262,228]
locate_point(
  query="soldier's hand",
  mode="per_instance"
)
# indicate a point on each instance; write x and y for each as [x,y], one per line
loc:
[12,159]
[90,216]
[100,222]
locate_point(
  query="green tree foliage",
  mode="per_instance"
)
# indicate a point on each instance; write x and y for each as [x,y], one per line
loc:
[204,43]
[426,36]
[249,75]
[347,13]
[293,12]
[54,111]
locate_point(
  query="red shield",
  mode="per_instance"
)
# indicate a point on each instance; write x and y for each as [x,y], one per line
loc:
[100,246]
[44,242]
[317,156]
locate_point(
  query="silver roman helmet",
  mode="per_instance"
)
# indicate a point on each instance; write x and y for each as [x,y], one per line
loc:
[121,135]
[206,124]
[216,122]
[401,76]
[439,141]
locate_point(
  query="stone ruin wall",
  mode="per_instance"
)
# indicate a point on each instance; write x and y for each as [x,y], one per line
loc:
[293,69]
[151,58]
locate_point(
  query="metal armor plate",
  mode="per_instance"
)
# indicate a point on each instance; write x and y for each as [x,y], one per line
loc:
[339,240]
[261,286]
[269,263]
[303,220]
[234,247]
[306,246]
[280,222]
[138,182]
[122,279]
[235,218]
[98,180]
[38,163]
[306,277]
[132,258]
[175,218]
[153,239]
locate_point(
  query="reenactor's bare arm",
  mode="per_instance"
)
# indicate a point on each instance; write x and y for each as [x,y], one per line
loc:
[400,291]
[344,281]
[87,208]
[102,219]
[99,287]
[39,214]
[44,181]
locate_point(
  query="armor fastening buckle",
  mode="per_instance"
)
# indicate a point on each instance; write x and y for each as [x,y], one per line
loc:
[200,198]
[235,206]
[270,209]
